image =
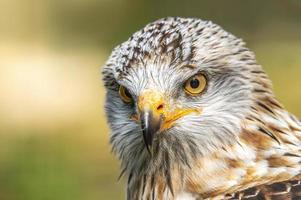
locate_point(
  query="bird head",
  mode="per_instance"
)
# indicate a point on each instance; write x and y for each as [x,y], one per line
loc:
[178,88]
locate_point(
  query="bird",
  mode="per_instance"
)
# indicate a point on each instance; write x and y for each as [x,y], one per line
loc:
[192,115]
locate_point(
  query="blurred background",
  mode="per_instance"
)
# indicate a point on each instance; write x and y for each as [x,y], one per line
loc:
[53,134]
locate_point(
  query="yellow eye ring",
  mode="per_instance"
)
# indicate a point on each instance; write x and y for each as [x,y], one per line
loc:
[125,94]
[195,85]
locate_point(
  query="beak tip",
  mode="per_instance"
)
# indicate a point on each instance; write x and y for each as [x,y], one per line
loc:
[150,126]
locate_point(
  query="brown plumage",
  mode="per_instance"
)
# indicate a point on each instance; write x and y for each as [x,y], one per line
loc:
[193,116]
[277,191]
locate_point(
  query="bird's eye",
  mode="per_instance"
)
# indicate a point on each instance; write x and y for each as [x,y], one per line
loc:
[195,85]
[125,94]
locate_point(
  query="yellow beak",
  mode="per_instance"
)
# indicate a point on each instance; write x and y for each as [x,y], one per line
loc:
[156,115]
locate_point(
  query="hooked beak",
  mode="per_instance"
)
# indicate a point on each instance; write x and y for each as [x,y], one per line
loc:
[151,106]
[150,124]
[156,115]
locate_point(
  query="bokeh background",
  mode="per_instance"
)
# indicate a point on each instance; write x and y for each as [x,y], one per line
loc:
[53,134]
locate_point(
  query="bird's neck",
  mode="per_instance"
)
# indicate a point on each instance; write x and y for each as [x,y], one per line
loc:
[268,150]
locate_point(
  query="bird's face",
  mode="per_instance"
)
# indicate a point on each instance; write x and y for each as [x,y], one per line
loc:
[163,98]
[176,89]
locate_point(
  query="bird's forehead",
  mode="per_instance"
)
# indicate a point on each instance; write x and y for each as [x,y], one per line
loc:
[159,76]
[167,40]
[172,43]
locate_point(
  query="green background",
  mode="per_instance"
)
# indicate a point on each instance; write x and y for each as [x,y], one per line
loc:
[53,134]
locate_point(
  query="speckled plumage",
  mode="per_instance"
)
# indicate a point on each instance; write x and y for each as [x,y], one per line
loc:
[243,139]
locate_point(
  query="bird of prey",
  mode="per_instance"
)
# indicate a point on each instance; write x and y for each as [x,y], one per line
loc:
[193,116]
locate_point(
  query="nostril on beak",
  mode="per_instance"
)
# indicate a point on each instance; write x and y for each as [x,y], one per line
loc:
[160,108]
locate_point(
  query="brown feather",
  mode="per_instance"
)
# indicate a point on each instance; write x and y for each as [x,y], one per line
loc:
[288,190]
